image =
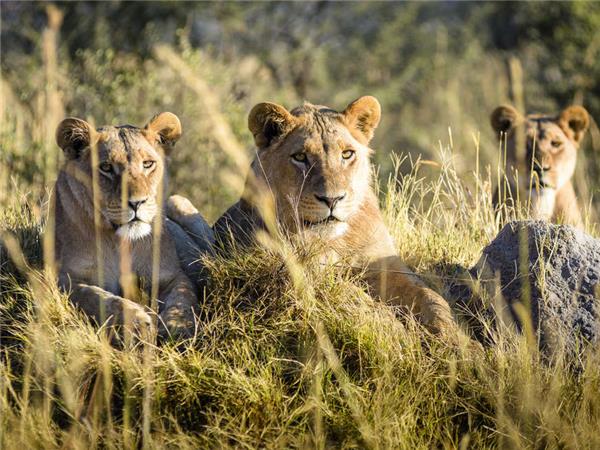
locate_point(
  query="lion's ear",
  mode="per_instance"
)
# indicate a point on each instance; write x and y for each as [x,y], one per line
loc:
[73,135]
[574,121]
[364,114]
[166,127]
[269,121]
[504,118]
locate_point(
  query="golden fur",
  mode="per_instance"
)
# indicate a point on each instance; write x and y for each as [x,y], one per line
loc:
[314,163]
[130,174]
[551,147]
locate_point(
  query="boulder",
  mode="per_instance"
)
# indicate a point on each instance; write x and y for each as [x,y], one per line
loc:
[550,271]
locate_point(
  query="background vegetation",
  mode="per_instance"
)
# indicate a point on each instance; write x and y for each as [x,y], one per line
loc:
[277,364]
[433,66]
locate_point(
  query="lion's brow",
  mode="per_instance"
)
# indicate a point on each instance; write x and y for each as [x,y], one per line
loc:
[323,124]
[128,135]
[539,125]
[541,132]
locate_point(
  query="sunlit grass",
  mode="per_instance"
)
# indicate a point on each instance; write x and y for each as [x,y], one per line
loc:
[290,353]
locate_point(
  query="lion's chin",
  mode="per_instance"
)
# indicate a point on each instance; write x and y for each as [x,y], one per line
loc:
[134,230]
[327,230]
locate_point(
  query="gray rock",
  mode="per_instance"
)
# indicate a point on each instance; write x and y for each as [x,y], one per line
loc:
[552,271]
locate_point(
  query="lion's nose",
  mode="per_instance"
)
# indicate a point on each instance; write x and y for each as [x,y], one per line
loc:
[135,204]
[330,201]
[541,167]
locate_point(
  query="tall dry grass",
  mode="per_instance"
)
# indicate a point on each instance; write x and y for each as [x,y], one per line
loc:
[290,353]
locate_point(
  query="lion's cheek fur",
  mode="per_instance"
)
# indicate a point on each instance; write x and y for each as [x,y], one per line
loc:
[361,183]
[567,170]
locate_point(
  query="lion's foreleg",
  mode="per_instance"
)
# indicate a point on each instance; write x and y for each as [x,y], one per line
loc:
[395,284]
[105,307]
[177,308]
[188,252]
[181,211]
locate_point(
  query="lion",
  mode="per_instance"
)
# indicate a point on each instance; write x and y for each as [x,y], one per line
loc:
[314,162]
[129,173]
[551,147]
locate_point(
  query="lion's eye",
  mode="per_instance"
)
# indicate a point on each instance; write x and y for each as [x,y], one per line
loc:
[347,154]
[149,164]
[106,167]
[300,157]
[556,143]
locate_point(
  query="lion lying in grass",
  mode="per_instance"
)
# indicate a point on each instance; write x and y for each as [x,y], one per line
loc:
[313,163]
[130,175]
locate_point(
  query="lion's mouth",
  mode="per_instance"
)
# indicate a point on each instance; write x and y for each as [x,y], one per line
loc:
[134,220]
[541,179]
[542,183]
[326,221]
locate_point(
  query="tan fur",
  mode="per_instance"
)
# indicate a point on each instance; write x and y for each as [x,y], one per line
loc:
[352,226]
[552,143]
[125,230]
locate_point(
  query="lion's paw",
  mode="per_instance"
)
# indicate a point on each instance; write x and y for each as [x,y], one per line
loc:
[176,322]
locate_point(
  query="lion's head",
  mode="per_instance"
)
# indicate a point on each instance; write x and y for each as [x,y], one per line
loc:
[315,161]
[129,169]
[551,142]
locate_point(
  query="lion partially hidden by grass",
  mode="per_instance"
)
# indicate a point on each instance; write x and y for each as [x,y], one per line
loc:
[313,166]
[550,145]
[104,245]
